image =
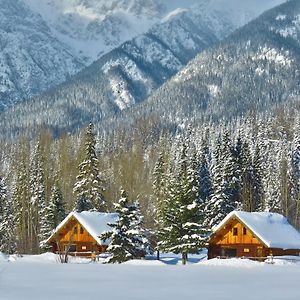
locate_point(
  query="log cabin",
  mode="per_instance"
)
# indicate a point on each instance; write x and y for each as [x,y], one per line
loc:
[254,235]
[79,233]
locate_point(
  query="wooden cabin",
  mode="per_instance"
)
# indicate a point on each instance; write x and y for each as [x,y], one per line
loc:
[79,233]
[254,235]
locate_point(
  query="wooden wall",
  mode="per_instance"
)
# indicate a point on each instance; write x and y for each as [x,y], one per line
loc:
[225,236]
[235,240]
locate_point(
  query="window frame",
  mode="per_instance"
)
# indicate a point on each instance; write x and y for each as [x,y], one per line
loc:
[235,231]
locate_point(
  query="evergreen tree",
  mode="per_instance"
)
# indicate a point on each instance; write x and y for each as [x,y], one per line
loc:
[294,174]
[231,171]
[54,214]
[205,181]
[2,197]
[7,221]
[257,181]
[251,180]
[222,201]
[20,198]
[272,202]
[37,197]
[159,191]
[89,187]
[128,239]
[183,218]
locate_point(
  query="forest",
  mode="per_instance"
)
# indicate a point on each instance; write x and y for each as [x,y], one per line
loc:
[185,179]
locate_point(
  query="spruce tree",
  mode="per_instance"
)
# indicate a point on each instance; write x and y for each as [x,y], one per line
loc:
[272,201]
[37,197]
[2,197]
[21,200]
[205,180]
[257,181]
[183,217]
[159,191]
[222,201]
[89,186]
[54,214]
[128,239]
[7,221]
[294,174]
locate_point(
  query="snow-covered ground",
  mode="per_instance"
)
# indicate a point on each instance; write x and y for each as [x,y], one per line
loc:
[41,277]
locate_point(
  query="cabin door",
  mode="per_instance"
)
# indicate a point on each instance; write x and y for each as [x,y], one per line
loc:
[259,252]
[231,252]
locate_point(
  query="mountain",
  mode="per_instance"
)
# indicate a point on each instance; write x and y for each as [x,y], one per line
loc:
[92,28]
[45,42]
[254,69]
[128,74]
[31,58]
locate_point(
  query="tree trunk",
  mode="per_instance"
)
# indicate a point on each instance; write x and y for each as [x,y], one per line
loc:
[184,258]
[158,255]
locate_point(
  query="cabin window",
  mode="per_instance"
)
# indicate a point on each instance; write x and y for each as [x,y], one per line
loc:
[83,248]
[70,248]
[81,230]
[75,230]
[246,250]
[244,231]
[235,231]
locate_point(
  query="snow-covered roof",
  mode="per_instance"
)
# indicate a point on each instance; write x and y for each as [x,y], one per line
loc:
[272,229]
[94,222]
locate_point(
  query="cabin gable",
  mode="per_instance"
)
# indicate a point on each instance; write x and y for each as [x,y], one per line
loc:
[234,232]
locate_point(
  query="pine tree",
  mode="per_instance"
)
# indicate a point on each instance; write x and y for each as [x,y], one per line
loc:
[7,221]
[37,197]
[272,202]
[205,181]
[222,201]
[159,191]
[54,214]
[2,197]
[128,239]
[231,172]
[251,179]
[257,181]
[21,199]
[182,230]
[89,186]
[294,174]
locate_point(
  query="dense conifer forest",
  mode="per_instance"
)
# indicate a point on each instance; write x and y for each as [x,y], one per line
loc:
[185,178]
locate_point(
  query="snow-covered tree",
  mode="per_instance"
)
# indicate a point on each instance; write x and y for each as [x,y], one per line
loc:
[257,181]
[294,173]
[205,180]
[128,238]
[272,185]
[37,196]
[3,191]
[54,214]
[221,202]
[183,231]
[89,186]
[21,198]
[7,221]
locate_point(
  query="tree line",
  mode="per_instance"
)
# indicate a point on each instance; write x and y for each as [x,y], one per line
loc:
[182,182]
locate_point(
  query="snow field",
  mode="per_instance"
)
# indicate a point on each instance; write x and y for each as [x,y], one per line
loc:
[40,277]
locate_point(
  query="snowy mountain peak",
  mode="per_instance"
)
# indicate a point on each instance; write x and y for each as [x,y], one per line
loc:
[92,28]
